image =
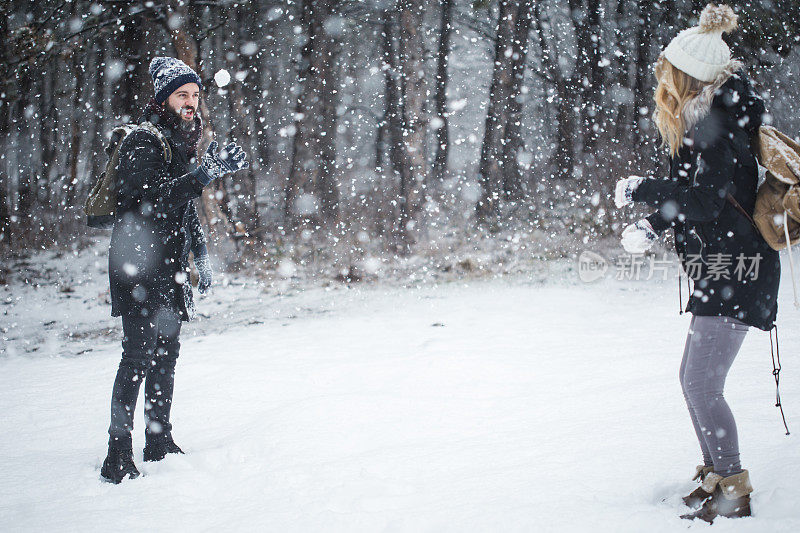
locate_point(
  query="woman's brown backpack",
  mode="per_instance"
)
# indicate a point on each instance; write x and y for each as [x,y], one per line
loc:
[777,211]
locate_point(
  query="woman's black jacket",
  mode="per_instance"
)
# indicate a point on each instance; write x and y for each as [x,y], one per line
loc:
[735,272]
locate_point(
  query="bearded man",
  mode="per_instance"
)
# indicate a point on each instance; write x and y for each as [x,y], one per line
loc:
[155,228]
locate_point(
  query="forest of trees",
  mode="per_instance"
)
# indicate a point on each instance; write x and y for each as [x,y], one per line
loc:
[375,124]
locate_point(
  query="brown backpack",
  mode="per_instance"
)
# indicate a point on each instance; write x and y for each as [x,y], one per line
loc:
[102,199]
[777,210]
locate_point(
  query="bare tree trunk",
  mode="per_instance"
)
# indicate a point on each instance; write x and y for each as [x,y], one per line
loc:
[264,157]
[132,91]
[414,95]
[512,141]
[589,73]
[5,212]
[328,185]
[381,146]
[254,90]
[48,126]
[241,98]
[26,191]
[565,150]
[78,71]
[442,131]
[564,156]
[312,193]
[243,206]
[393,106]
[5,129]
[622,130]
[98,158]
[390,136]
[642,97]
[490,173]
[5,75]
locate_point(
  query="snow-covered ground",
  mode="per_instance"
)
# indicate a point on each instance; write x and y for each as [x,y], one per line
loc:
[488,405]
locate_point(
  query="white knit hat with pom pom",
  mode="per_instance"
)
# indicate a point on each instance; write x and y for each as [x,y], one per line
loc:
[700,51]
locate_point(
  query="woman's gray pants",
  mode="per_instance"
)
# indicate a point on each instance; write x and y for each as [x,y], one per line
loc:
[711,347]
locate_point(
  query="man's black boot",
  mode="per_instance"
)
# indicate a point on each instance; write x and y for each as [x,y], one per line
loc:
[155,451]
[119,464]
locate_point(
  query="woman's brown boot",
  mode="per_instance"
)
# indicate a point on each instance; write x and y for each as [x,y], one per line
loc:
[731,499]
[696,498]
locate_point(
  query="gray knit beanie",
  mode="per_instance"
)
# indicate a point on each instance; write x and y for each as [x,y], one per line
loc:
[168,74]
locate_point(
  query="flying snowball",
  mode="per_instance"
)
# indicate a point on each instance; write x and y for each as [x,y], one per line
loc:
[222,78]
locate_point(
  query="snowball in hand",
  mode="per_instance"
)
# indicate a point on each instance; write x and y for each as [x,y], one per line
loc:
[222,78]
[637,238]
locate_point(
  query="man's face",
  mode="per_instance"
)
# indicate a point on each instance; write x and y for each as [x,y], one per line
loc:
[184,101]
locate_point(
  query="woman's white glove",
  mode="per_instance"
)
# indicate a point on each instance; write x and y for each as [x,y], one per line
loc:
[638,237]
[623,194]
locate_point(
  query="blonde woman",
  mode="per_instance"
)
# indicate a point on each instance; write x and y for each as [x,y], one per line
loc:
[707,113]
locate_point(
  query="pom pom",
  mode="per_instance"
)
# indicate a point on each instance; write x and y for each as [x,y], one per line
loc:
[157,64]
[718,19]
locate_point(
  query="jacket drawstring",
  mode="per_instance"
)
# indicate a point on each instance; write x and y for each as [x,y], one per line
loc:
[688,287]
[776,371]
[680,291]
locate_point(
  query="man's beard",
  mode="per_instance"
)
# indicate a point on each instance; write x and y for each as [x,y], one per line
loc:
[188,132]
[186,120]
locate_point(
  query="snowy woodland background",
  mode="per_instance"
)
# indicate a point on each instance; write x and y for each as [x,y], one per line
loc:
[470,133]
[452,155]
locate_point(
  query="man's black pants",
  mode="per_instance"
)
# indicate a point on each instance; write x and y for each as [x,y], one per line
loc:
[150,349]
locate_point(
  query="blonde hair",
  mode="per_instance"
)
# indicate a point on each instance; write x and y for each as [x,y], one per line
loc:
[675,88]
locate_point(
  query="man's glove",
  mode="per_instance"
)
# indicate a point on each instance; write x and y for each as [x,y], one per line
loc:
[623,194]
[203,266]
[638,237]
[215,165]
